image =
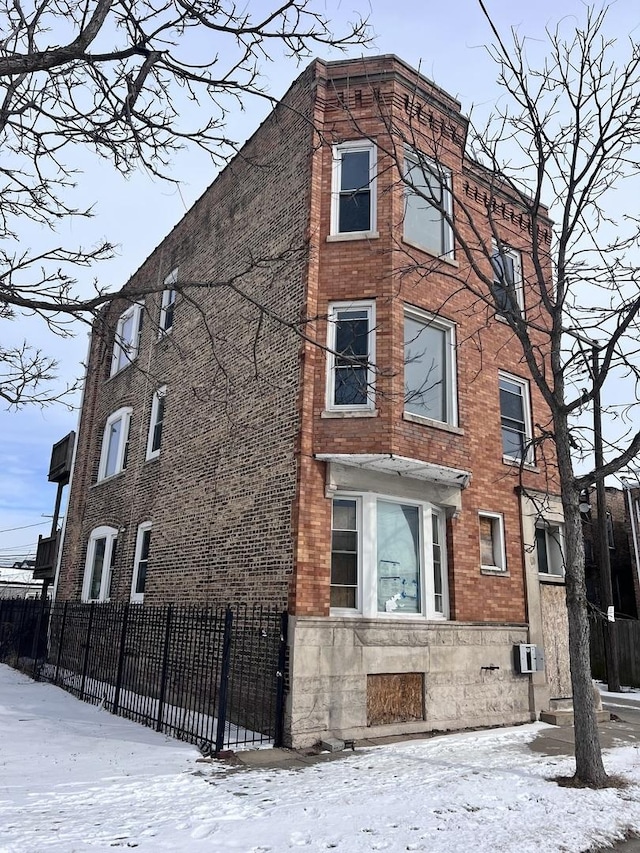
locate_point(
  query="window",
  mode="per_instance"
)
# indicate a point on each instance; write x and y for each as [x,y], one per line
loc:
[427,204]
[168,303]
[351,356]
[388,556]
[115,442]
[141,562]
[549,549]
[515,416]
[429,367]
[353,197]
[127,338]
[611,542]
[101,555]
[154,439]
[492,551]
[507,278]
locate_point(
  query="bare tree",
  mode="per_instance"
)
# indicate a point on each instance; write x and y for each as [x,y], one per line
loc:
[130,81]
[564,133]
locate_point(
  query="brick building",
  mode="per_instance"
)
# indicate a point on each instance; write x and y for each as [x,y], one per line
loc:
[297,402]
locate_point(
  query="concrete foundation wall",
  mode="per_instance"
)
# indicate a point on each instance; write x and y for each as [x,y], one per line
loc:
[331,659]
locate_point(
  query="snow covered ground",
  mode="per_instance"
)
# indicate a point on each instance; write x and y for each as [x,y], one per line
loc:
[75,778]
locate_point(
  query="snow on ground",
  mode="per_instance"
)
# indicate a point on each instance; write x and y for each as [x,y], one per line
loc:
[75,778]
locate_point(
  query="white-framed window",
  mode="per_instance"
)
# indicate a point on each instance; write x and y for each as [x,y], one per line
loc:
[351,356]
[167,306]
[353,190]
[507,278]
[115,442]
[101,555]
[429,367]
[550,548]
[492,543]
[428,204]
[388,557]
[126,341]
[515,417]
[156,421]
[141,562]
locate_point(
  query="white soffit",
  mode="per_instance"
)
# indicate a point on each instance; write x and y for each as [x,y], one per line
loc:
[403,466]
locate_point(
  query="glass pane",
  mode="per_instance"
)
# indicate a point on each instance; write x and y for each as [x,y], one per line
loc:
[423,223]
[398,540]
[355,172]
[438,595]
[351,386]
[345,540]
[555,559]
[352,334]
[344,569]
[511,402]
[425,359]
[113,445]
[343,596]
[344,515]
[355,212]
[143,562]
[487,554]
[513,443]
[541,549]
[157,429]
[97,568]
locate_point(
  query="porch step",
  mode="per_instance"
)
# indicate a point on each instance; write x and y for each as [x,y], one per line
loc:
[564,717]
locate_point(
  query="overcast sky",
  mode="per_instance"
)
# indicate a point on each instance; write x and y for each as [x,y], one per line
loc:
[445,40]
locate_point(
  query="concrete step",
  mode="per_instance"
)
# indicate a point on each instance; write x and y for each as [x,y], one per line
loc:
[564,717]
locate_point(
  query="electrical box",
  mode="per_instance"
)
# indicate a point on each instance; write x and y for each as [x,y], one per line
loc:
[528,658]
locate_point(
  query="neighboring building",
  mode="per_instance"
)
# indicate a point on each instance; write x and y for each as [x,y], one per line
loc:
[631,491]
[17,581]
[311,412]
[624,579]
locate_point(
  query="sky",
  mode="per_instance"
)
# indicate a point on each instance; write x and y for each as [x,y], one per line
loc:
[107,783]
[445,41]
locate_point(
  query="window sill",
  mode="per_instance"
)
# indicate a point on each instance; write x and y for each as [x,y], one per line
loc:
[552,579]
[352,235]
[338,613]
[420,419]
[517,463]
[446,259]
[505,320]
[122,369]
[494,571]
[351,413]
[164,333]
[152,458]
[108,479]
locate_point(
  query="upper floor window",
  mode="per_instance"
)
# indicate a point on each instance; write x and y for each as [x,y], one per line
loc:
[127,337]
[351,344]
[101,555]
[549,548]
[507,279]
[429,367]
[353,196]
[115,442]
[388,556]
[515,417]
[428,204]
[154,438]
[167,306]
[141,562]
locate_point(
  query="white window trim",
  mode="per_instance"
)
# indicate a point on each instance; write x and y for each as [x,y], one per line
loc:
[500,554]
[526,397]
[336,180]
[411,155]
[111,535]
[160,394]
[138,597]
[367,595]
[334,309]
[451,367]
[128,352]
[167,302]
[123,414]
[516,257]
[547,526]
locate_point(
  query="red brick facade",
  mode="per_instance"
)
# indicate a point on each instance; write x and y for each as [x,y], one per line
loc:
[237,496]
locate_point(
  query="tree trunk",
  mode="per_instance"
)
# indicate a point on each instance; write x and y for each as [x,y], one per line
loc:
[589,767]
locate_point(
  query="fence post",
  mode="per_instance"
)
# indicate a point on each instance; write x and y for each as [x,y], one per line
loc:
[282,661]
[224,679]
[36,637]
[60,641]
[123,638]
[165,667]
[85,662]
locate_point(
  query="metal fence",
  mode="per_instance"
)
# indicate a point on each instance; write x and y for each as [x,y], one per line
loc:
[210,675]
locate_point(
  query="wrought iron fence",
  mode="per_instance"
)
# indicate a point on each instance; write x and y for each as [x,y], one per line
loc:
[210,675]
